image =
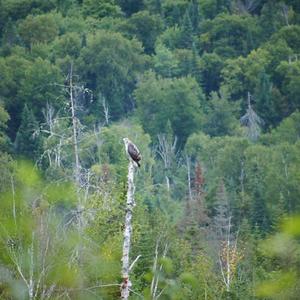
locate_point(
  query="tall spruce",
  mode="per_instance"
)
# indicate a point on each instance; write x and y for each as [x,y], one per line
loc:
[187,36]
[264,103]
[27,142]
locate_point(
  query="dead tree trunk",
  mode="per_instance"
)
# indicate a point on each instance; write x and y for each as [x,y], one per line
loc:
[188,165]
[74,127]
[126,284]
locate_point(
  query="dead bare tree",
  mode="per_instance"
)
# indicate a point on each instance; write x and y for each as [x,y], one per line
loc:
[156,272]
[166,149]
[188,165]
[252,121]
[105,109]
[76,93]
[33,261]
[226,241]
[285,13]
[72,90]
[130,203]
[60,140]
[245,6]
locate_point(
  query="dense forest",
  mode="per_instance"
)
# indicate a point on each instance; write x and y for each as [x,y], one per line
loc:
[209,91]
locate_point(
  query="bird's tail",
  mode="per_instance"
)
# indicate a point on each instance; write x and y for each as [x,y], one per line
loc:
[138,164]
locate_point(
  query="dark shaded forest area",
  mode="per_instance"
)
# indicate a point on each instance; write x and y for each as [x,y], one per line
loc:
[209,90]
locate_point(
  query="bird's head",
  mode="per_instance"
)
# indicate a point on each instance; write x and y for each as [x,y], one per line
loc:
[126,141]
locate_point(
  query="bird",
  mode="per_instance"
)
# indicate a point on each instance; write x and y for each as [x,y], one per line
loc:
[132,151]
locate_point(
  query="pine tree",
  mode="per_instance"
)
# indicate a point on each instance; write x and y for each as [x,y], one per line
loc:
[264,104]
[4,140]
[194,15]
[187,37]
[259,214]
[27,143]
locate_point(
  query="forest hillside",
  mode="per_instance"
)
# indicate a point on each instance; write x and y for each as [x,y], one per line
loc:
[208,90]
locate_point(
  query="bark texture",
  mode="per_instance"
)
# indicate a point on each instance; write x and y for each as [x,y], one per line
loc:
[126,284]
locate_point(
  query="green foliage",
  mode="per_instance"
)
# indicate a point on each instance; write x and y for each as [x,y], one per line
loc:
[4,117]
[27,143]
[19,9]
[211,8]
[264,101]
[38,29]
[187,38]
[145,27]
[39,85]
[174,10]
[188,63]
[67,44]
[101,8]
[176,100]
[131,6]
[28,238]
[241,40]
[165,62]
[171,37]
[290,34]
[31,82]
[6,166]
[290,83]
[110,65]
[272,18]
[287,131]
[284,246]
[211,65]
[219,118]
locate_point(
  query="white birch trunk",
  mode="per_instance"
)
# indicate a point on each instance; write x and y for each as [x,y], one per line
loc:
[168,184]
[154,267]
[74,127]
[13,199]
[188,164]
[154,293]
[126,284]
[228,257]
[106,111]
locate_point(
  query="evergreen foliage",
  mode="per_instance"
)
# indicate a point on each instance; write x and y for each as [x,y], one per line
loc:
[27,143]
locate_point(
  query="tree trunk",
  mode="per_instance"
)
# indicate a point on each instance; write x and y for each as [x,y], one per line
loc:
[74,127]
[188,164]
[126,284]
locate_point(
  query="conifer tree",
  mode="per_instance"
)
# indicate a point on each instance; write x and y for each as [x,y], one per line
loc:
[195,16]
[27,143]
[264,104]
[4,117]
[187,31]
[259,214]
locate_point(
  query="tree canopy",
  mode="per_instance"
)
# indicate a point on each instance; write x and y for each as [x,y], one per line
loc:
[209,91]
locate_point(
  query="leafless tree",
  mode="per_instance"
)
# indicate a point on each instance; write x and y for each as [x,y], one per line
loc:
[252,122]
[226,241]
[130,203]
[245,6]
[34,260]
[155,294]
[188,165]
[166,150]
[105,109]
[285,13]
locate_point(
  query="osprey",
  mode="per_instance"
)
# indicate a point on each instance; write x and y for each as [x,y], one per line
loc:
[132,151]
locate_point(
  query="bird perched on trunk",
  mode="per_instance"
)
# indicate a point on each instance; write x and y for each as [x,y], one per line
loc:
[132,151]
